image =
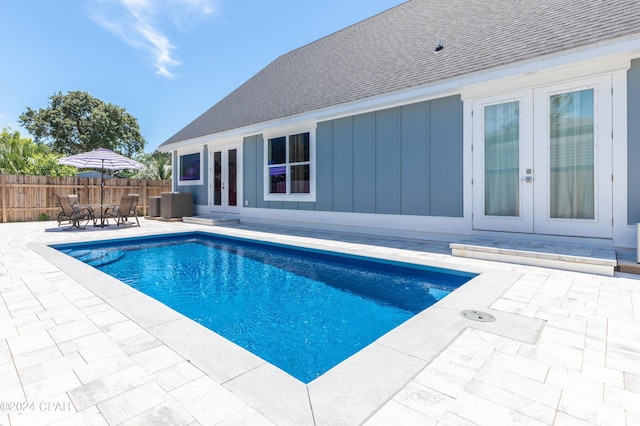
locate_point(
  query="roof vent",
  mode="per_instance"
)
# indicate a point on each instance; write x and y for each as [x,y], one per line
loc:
[439,45]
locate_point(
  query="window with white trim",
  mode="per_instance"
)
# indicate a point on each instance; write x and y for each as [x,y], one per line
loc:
[289,169]
[189,168]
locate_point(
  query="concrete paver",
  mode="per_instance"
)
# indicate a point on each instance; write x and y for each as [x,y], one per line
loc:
[63,343]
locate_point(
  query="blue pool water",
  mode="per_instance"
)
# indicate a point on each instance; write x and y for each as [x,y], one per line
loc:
[303,311]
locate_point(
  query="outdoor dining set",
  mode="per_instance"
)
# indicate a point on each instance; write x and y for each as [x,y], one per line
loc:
[73,212]
[79,215]
[168,205]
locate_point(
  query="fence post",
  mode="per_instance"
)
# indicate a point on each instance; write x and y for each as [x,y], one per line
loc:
[2,195]
[144,197]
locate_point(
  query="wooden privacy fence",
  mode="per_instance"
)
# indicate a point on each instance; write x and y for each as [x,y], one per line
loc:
[30,198]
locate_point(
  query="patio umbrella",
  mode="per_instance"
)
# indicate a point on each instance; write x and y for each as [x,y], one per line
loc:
[100,158]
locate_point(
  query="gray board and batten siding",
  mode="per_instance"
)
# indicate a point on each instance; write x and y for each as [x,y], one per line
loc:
[633,143]
[405,160]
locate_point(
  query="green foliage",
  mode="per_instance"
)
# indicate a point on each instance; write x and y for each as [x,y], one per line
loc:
[47,165]
[22,156]
[43,217]
[15,151]
[158,166]
[77,122]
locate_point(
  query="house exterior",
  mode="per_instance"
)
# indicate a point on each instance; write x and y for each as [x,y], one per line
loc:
[433,120]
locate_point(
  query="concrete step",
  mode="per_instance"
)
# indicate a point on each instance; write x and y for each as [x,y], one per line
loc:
[599,260]
[212,220]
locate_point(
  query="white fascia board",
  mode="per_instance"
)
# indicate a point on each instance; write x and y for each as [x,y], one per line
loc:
[571,64]
[545,76]
[188,143]
[589,60]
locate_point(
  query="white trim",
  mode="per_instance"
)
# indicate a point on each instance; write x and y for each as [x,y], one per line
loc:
[293,197]
[404,226]
[540,78]
[624,235]
[291,129]
[180,153]
[467,162]
[534,119]
[398,226]
[600,226]
[524,221]
[224,149]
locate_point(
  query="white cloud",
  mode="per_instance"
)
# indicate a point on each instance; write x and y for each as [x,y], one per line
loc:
[189,12]
[139,24]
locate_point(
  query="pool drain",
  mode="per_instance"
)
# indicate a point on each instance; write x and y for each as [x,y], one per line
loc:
[478,316]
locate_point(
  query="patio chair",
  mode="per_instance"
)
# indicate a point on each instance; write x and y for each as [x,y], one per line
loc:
[134,207]
[71,212]
[123,211]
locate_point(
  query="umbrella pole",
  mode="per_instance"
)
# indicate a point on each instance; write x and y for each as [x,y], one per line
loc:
[102,195]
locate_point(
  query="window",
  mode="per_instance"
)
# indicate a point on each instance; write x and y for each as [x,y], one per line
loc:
[289,174]
[190,169]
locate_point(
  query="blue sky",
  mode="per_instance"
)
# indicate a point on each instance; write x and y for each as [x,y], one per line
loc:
[164,61]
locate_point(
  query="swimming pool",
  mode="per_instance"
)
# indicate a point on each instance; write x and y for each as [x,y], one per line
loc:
[302,310]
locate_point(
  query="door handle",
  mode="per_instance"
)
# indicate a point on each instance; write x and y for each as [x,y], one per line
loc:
[528,178]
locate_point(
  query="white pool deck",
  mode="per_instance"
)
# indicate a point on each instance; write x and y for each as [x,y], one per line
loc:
[79,347]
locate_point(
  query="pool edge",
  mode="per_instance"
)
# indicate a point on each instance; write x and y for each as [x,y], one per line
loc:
[338,393]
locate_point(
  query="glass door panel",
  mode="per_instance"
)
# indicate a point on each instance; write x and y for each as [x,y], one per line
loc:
[571,140]
[502,159]
[225,184]
[232,177]
[217,178]
[502,163]
[573,192]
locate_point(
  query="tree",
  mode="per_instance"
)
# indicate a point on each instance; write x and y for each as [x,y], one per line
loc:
[158,166]
[46,164]
[77,122]
[21,156]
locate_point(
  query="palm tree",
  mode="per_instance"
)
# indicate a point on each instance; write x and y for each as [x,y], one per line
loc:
[21,156]
[158,166]
[16,152]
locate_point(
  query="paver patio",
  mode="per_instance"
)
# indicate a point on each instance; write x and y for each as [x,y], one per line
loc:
[565,349]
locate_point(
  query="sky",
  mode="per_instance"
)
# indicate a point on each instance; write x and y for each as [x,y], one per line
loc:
[164,61]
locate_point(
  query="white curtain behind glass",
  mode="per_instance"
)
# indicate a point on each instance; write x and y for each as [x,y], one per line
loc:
[572,155]
[502,159]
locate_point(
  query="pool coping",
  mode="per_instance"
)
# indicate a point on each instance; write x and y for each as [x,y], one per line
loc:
[352,391]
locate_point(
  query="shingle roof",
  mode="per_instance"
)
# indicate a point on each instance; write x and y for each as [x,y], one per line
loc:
[395,50]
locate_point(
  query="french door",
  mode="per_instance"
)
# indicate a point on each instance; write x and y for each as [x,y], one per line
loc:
[542,160]
[503,163]
[225,172]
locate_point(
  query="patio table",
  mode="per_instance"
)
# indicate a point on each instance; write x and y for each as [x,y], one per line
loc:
[99,211]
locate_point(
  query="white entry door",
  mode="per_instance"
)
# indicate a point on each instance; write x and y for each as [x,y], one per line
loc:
[542,160]
[225,179]
[503,163]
